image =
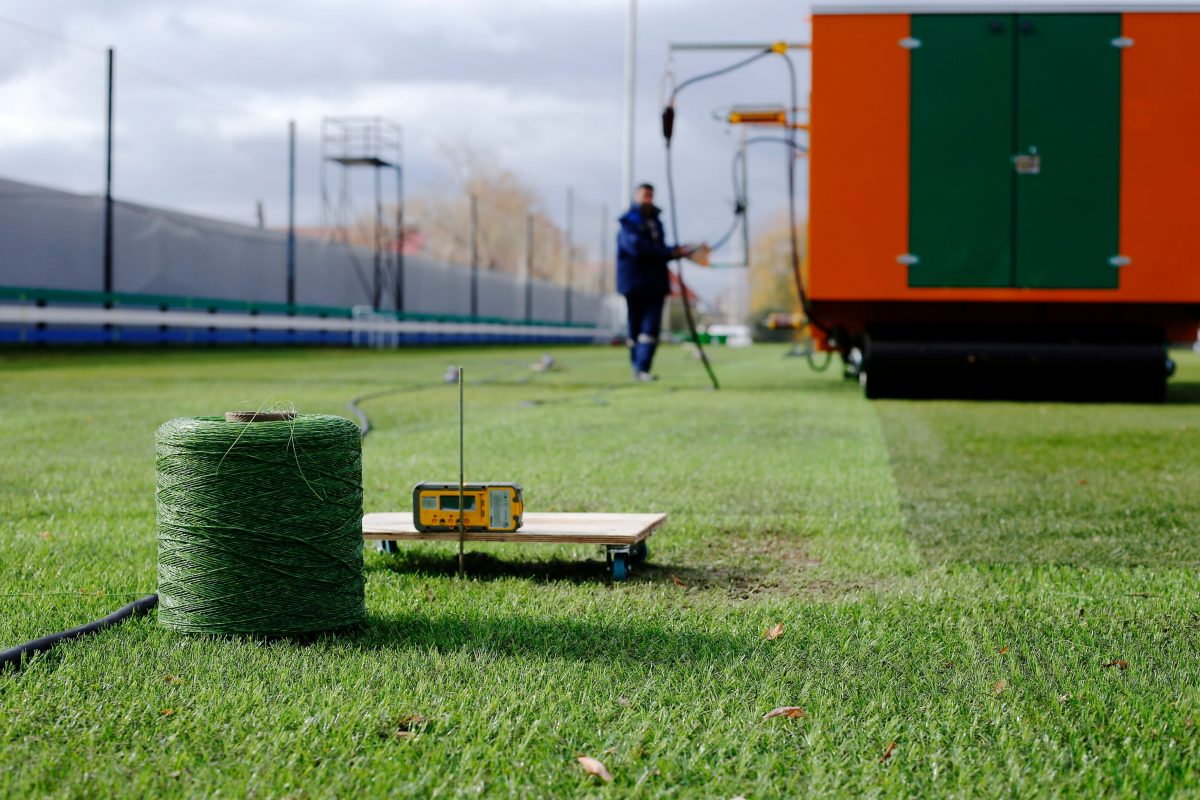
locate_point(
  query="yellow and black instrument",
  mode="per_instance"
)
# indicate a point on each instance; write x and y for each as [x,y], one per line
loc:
[485,506]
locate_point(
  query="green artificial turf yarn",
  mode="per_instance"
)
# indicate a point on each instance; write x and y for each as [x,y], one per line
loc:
[259,524]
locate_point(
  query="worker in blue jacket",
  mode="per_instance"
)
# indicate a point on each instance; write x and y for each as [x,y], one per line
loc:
[642,277]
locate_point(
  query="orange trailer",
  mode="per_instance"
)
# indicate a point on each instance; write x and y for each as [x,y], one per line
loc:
[1007,191]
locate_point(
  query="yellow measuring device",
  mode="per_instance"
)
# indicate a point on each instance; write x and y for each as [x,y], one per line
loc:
[495,506]
[485,506]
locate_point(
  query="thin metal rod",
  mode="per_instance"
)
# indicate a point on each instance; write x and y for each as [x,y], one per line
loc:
[108,173]
[462,529]
[678,46]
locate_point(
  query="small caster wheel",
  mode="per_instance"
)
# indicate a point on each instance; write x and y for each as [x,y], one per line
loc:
[389,547]
[620,568]
[641,551]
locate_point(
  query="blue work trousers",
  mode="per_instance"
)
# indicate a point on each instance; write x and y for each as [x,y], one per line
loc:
[645,321]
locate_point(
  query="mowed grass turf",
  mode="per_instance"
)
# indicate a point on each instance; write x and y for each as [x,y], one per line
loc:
[984,599]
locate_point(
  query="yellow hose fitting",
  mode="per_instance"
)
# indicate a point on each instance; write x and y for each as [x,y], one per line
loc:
[780,47]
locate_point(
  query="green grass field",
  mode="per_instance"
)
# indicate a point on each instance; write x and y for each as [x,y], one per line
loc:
[1006,592]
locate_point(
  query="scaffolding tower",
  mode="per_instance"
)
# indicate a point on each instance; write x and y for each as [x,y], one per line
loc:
[354,143]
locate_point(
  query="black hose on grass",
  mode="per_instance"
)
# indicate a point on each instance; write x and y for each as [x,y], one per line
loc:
[16,657]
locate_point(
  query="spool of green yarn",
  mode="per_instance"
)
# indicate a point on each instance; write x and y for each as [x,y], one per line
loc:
[259,524]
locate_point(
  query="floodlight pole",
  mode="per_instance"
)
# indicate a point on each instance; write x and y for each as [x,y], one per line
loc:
[630,105]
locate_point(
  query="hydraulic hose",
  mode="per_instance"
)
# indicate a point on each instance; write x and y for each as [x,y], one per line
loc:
[668,119]
[683,290]
[668,127]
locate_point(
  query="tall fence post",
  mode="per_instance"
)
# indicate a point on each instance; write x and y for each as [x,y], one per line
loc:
[474,234]
[601,280]
[108,199]
[291,231]
[528,267]
[570,234]
[399,239]
[377,259]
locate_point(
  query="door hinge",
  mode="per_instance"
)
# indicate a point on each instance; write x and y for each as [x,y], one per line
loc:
[907,259]
[1122,42]
[1120,261]
[909,43]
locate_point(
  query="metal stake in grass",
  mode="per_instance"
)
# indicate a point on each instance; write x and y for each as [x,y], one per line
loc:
[462,531]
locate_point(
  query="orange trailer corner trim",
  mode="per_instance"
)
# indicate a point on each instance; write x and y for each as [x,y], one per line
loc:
[1160,169]
[859,181]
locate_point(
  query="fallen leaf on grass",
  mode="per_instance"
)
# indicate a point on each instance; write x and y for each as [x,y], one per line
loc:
[45,536]
[595,767]
[166,712]
[1000,686]
[1119,663]
[403,727]
[1063,698]
[1002,650]
[792,712]
[774,632]
[675,580]
[171,679]
[887,752]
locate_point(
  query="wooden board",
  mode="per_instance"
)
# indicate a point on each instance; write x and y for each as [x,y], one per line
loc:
[599,529]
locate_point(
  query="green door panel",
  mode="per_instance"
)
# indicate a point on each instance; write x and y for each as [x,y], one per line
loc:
[961,128]
[1068,97]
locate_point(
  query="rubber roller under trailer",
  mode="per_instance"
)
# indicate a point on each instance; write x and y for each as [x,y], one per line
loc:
[1004,199]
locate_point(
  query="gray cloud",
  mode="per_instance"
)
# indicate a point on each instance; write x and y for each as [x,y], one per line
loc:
[536,82]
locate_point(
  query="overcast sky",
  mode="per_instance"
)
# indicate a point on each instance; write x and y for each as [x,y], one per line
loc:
[536,83]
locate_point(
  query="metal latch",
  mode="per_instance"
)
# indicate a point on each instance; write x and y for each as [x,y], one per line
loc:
[1122,42]
[907,259]
[1028,163]
[1119,261]
[909,43]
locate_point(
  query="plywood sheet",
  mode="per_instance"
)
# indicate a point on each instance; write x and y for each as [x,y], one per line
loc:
[574,528]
